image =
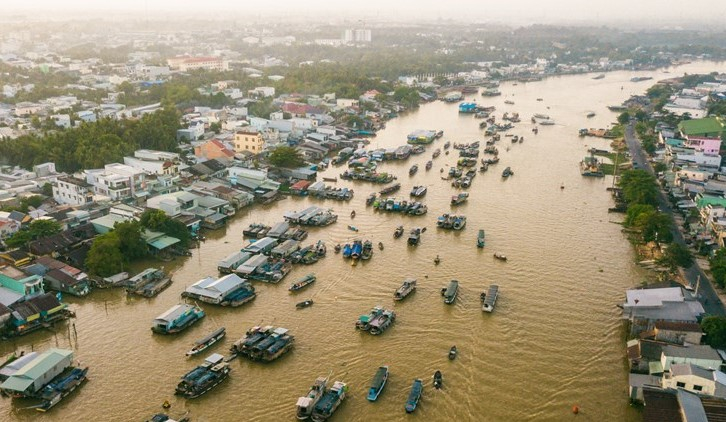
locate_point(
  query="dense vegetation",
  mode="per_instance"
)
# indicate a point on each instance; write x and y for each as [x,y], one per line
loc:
[35,230]
[92,145]
[715,329]
[640,191]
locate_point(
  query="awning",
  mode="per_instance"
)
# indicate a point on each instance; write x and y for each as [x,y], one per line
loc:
[164,242]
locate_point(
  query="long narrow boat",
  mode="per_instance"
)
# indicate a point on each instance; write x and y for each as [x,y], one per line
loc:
[449,293]
[379,381]
[489,298]
[306,404]
[204,377]
[204,343]
[414,396]
[480,239]
[408,286]
[56,391]
[303,282]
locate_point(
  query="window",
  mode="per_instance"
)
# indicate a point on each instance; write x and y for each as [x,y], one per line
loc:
[697,387]
[681,384]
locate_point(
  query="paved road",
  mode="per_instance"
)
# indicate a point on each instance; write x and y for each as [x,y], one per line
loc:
[707,295]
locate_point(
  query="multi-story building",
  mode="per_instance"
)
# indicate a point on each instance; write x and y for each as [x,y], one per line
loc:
[154,162]
[249,141]
[192,63]
[117,181]
[72,191]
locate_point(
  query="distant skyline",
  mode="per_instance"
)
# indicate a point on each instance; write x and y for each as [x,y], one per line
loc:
[519,12]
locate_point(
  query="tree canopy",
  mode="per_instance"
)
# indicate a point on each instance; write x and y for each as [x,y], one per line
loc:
[105,257]
[157,220]
[639,187]
[715,329]
[287,157]
[36,229]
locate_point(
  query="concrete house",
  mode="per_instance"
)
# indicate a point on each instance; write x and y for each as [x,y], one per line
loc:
[248,141]
[703,356]
[695,379]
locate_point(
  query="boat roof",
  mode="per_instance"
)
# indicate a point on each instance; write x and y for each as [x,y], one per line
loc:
[216,287]
[174,312]
[280,331]
[39,367]
[214,358]
[235,258]
[304,402]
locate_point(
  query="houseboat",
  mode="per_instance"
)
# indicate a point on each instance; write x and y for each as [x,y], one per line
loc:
[204,377]
[414,396]
[421,137]
[311,216]
[408,287]
[148,283]
[256,231]
[378,383]
[262,246]
[329,402]
[381,322]
[306,404]
[489,299]
[206,342]
[176,319]
[364,321]
[61,387]
[449,293]
[264,343]
[232,261]
[303,282]
[229,290]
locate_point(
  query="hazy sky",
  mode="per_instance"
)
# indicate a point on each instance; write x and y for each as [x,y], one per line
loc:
[520,11]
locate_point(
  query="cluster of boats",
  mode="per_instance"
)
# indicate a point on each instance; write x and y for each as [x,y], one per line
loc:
[376,321]
[451,222]
[311,216]
[400,205]
[281,231]
[367,176]
[358,250]
[148,283]
[264,343]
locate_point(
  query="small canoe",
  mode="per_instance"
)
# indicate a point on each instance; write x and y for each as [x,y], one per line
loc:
[303,282]
[452,353]
[204,343]
[438,380]
[380,245]
[304,304]
[353,228]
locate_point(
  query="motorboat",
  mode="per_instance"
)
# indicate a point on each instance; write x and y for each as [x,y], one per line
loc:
[378,383]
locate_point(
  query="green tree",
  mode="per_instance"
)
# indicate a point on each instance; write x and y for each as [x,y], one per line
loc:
[47,189]
[655,226]
[676,256]
[131,244]
[634,211]
[215,127]
[718,267]
[284,156]
[639,187]
[624,118]
[36,230]
[715,329]
[105,257]
[157,220]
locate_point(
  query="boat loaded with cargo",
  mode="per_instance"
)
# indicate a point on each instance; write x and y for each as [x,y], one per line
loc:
[489,298]
[264,343]
[303,282]
[60,388]
[449,293]
[330,401]
[408,287]
[307,403]
[414,396]
[204,377]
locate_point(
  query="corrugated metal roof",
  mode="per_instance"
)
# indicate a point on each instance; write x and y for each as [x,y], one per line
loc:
[164,242]
[26,375]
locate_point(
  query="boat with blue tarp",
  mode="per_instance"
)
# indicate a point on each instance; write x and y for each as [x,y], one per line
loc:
[204,377]
[329,402]
[414,396]
[378,383]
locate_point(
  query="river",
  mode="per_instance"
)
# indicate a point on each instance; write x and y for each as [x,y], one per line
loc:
[554,340]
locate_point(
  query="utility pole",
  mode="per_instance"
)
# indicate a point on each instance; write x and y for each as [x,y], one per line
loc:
[698,284]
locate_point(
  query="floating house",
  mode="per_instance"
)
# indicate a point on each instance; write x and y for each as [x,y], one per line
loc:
[231,262]
[177,319]
[33,376]
[230,290]
[467,108]
[262,246]
[285,249]
[421,136]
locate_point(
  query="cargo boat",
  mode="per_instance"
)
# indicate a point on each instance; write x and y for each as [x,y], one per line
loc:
[57,390]
[414,396]
[329,402]
[204,377]
[177,318]
[148,283]
[449,293]
[489,299]
[264,343]
[306,404]
[378,383]
[206,342]
[408,287]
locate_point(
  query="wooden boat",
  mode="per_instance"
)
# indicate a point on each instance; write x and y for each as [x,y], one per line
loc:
[353,228]
[449,293]
[352,214]
[452,353]
[414,236]
[303,282]
[591,114]
[429,164]
[438,380]
[390,189]
[413,170]
[507,172]
[510,102]
[489,298]
[206,342]
[480,239]
[337,248]
[398,232]
[330,179]
[380,245]
[204,377]
[306,404]
[371,199]
[378,383]
[460,198]
[408,287]
[414,396]
[304,304]
[57,390]
[499,256]
[437,260]
[330,401]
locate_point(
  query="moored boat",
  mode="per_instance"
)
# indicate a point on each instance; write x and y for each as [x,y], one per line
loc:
[480,239]
[398,232]
[390,189]
[378,383]
[489,298]
[60,388]
[206,342]
[382,322]
[302,282]
[449,293]
[418,191]
[367,251]
[264,343]
[204,377]
[330,401]
[176,319]
[414,396]
[306,404]
[408,287]
[413,170]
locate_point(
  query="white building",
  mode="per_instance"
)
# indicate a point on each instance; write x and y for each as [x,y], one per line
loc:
[186,64]
[695,379]
[117,181]
[72,191]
